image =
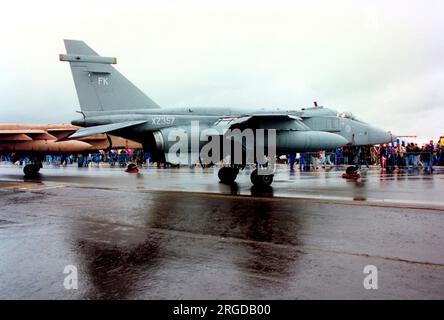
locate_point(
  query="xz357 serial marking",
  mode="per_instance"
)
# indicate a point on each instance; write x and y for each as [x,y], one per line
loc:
[163,120]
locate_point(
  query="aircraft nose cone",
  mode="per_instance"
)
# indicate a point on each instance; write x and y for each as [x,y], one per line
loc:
[394,137]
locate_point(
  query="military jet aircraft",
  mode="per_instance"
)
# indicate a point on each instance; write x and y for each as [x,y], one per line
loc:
[110,103]
[37,140]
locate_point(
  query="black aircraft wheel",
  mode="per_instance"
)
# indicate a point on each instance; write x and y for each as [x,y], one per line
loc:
[261,180]
[31,169]
[227,174]
[351,170]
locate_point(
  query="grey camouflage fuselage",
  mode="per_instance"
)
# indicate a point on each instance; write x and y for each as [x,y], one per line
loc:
[109,102]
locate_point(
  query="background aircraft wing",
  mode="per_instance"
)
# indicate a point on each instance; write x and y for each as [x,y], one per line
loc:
[25,135]
[60,133]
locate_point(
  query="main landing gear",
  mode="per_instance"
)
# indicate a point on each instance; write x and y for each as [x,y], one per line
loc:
[229,174]
[261,180]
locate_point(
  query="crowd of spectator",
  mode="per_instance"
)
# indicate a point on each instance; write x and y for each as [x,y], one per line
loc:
[113,157]
[387,156]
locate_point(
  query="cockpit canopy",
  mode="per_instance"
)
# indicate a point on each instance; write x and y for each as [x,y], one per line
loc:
[348,115]
[326,112]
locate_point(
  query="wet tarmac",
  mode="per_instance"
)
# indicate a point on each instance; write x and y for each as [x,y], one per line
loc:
[179,234]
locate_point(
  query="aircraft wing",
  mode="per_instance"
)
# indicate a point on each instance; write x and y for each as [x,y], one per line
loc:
[106,128]
[256,121]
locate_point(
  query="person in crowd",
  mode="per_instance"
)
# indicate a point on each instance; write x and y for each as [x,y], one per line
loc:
[321,158]
[338,157]
[390,159]
[409,150]
[291,161]
[430,153]
[425,158]
[327,158]
[302,162]
[356,152]
[88,160]
[416,156]
[307,156]
[373,155]
[345,154]
[431,147]
[382,152]
[123,158]
[314,158]
[395,154]
[147,158]
[365,157]
[64,160]
[112,158]
[440,151]
[80,160]
[401,161]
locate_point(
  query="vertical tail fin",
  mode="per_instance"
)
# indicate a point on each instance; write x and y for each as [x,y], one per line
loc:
[99,86]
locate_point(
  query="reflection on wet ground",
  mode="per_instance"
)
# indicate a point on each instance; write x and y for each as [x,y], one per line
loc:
[309,236]
[375,184]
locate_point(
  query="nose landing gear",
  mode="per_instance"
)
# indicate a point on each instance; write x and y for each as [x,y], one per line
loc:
[228,175]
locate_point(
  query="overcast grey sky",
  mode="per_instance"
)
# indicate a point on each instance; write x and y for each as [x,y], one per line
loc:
[381,60]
